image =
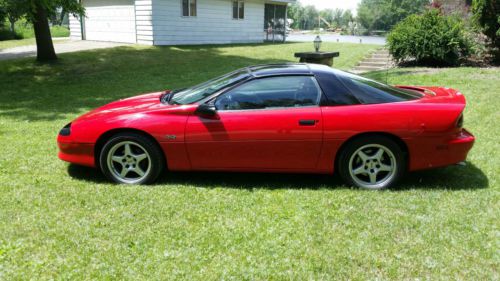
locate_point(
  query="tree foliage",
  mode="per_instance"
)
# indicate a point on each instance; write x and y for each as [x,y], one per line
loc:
[486,13]
[306,17]
[384,14]
[14,10]
[430,39]
[38,12]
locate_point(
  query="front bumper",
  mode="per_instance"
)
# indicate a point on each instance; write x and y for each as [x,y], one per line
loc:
[77,153]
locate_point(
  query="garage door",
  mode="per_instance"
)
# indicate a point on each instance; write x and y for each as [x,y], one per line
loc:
[110,20]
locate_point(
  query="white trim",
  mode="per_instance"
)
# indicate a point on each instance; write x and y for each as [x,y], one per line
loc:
[189,9]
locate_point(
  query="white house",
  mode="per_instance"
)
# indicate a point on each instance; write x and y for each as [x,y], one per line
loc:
[181,22]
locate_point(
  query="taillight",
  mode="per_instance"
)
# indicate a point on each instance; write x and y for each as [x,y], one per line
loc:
[460,121]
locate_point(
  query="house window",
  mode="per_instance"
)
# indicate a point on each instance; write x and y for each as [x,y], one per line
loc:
[189,8]
[238,10]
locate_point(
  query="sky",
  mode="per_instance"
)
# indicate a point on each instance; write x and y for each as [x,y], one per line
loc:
[332,4]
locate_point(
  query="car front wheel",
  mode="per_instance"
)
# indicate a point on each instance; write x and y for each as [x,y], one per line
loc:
[131,159]
[374,162]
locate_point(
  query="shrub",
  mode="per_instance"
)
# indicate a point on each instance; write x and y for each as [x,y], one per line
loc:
[430,39]
[6,34]
[486,14]
[24,29]
[59,31]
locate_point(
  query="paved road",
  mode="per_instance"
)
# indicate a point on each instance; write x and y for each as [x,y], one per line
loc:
[298,37]
[61,47]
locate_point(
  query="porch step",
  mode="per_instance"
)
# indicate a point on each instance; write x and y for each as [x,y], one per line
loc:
[384,60]
[378,56]
[375,64]
[379,60]
[368,68]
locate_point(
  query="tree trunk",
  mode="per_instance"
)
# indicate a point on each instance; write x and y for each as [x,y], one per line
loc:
[12,25]
[63,13]
[44,45]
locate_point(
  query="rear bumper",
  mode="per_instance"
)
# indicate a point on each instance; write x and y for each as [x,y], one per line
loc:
[441,152]
[77,153]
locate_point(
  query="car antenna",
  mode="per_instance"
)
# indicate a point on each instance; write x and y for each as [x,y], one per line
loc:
[386,76]
[387,71]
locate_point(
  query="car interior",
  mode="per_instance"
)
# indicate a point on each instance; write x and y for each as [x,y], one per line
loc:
[271,93]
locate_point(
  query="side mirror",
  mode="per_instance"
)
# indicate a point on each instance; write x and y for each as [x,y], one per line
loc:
[206,111]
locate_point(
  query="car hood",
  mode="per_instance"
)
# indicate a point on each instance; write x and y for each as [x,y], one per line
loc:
[134,105]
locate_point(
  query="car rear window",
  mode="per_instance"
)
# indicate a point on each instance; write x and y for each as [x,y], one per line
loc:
[369,91]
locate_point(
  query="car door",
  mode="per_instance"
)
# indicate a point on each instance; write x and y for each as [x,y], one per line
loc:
[271,123]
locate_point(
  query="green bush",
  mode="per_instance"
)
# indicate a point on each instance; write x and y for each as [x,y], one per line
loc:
[6,34]
[430,39]
[24,30]
[486,14]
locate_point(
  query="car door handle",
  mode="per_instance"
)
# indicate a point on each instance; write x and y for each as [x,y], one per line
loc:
[305,122]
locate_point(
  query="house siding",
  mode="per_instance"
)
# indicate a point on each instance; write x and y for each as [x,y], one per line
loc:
[160,22]
[75,28]
[214,23]
[144,21]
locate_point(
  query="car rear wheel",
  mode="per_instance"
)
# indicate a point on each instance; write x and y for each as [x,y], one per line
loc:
[374,162]
[131,159]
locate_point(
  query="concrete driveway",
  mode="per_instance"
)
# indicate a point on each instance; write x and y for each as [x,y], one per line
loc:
[61,47]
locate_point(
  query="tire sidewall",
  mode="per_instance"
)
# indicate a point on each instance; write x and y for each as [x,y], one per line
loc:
[155,154]
[354,145]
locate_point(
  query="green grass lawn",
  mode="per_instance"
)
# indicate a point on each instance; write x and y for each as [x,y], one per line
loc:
[16,43]
[59,221]
[25,42]
[25,30]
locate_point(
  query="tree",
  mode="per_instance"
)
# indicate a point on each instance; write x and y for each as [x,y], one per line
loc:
[347,17]
[306,17]
[486,13]
[327,15]
[384,14]
[3,12]
[38,13]
[14,10]
[310,16]
[295,12]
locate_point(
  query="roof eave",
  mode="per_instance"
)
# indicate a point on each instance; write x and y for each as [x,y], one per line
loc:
[283,1]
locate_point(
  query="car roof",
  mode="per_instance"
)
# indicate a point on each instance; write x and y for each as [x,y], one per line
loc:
[287,69]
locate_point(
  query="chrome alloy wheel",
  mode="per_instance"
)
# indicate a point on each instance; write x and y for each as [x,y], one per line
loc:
[372,166]
[129,162]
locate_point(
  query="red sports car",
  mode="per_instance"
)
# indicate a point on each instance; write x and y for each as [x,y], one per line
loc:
[294,118]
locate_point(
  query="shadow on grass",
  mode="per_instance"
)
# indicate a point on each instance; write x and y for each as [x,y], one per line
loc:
[88,79]
[80,81]
[450,178]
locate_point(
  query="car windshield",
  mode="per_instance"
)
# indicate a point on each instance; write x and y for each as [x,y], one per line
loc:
[369,91]
[204,90]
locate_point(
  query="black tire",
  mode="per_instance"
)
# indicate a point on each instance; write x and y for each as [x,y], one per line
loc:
[133,162]
[362,171]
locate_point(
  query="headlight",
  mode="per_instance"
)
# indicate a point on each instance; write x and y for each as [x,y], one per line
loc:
[66,130]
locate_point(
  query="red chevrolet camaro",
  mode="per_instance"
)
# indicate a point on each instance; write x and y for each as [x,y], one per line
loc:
[294,118]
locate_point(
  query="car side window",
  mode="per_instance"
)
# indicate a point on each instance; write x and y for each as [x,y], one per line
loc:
[271,92]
